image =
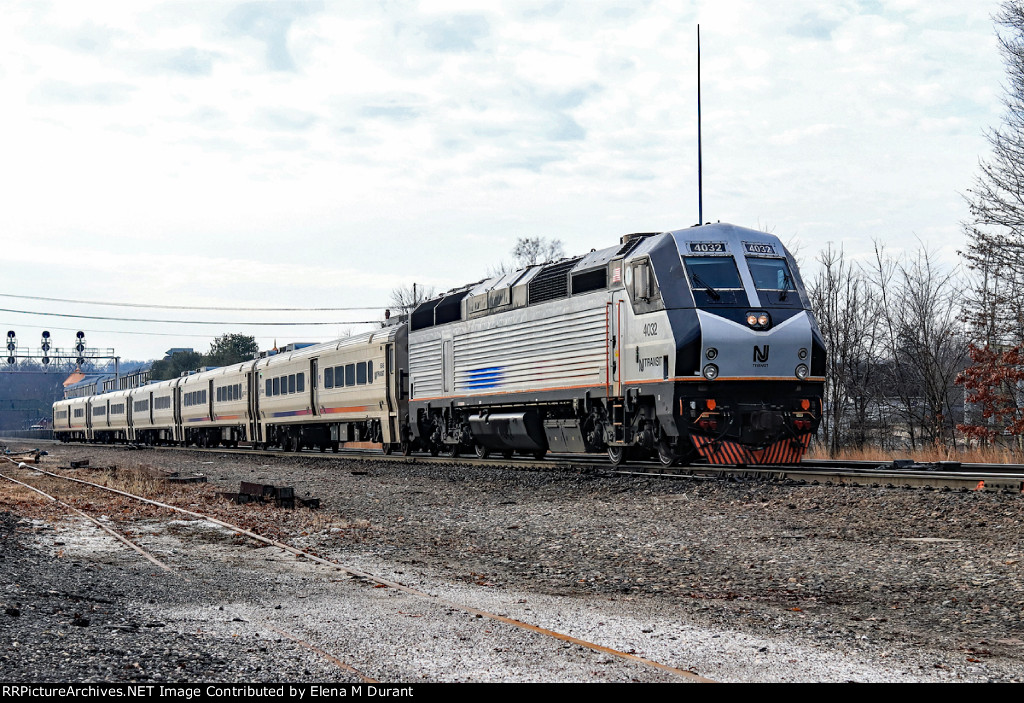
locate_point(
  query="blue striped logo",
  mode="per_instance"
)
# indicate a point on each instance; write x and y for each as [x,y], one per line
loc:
[478,379]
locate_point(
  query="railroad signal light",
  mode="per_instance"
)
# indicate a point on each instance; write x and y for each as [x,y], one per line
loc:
[10,360]
[12,344]
[80,360]
[45,360]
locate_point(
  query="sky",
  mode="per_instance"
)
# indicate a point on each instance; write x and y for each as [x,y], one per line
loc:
[317,154]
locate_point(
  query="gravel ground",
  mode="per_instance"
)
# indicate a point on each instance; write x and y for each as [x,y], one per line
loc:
[735,581]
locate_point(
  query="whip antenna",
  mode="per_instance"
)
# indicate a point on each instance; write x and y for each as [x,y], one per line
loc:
[700,169]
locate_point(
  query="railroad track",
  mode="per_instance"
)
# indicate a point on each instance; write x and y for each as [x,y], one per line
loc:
[894,474]
[16,466]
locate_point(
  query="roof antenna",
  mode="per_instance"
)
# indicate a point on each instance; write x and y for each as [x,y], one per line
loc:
[700,169]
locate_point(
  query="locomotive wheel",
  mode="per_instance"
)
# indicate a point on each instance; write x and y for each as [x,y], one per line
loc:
[452,450]
[507,454]
[405,448]
[388,448]
[334,447]
[617,455]
[667,455]
[482,452]
[434,450]
[540,454]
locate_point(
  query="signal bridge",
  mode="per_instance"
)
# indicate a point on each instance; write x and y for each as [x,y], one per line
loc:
[79,353]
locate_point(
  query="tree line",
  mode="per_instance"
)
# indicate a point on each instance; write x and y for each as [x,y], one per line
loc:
[224,350]
[920,355]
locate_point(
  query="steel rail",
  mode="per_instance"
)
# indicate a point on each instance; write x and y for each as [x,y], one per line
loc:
[868,473]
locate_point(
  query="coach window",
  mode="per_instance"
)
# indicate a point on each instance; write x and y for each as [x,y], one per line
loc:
[369,372]
[270,387]
[291,383]
[277,385]
[329,377]
[350,374]
[339,376]
[361,373]
[300,382]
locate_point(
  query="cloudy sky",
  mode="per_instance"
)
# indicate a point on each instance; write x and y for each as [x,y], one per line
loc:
[318,154]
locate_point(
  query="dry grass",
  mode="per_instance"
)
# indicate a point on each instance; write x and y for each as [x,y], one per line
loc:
[140,480]
[144,480]
[967,455]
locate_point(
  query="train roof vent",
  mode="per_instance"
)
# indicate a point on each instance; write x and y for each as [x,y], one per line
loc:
[631,240]
[423,316]
[450,308]
[552,282]
[586,281]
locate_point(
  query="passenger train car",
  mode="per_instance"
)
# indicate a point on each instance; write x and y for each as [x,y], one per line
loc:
[676,345]
[323,396]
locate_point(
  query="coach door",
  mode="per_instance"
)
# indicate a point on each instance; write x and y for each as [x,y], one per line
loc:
[179,434]
[314,379]
[252,383]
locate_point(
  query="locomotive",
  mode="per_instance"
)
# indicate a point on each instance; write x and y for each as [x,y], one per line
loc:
[692,343]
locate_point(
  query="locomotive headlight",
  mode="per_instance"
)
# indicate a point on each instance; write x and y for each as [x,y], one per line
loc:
[711,353]
[801,371]
[802,354]
[758,319]
[710,372]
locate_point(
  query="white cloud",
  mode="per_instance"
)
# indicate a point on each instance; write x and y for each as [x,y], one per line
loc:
[330,151]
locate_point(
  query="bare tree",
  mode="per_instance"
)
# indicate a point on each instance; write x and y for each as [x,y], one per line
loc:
[404,299]
[536,250]
[846,307]
[995,233]
[925,344]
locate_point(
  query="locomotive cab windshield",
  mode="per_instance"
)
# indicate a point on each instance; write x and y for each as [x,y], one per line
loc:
[714,280]
[773,281]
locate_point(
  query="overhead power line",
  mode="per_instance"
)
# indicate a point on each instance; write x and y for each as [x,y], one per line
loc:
[193,322]
[185,307]
[324,337]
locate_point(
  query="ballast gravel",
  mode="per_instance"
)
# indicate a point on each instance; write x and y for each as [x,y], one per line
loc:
[733,581]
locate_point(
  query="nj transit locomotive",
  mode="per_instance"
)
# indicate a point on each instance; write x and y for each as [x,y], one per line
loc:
[678,345]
